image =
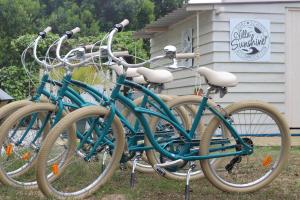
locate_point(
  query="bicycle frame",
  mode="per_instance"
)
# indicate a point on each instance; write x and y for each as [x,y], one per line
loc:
[76,102]
[167,115]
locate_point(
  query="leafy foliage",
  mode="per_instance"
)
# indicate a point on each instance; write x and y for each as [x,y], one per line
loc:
[69,15]
[20,19]
[139,12]
[17,17]
[162,7]
[15,81]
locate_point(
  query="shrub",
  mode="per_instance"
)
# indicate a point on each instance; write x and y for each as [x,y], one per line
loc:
[16,82]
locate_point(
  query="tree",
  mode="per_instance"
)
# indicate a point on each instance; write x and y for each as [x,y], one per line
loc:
[162,7]
[69,15]
[17,17]
[145,14]
[139,13]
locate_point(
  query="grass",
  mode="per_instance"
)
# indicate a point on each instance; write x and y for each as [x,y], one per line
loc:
[286,186]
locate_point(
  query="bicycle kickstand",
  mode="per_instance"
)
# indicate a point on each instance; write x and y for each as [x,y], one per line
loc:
[187,186]
[132,175]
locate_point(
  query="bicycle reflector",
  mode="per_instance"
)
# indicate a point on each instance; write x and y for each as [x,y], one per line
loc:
[55,169]
[26,156]
[9,149]
[267,161]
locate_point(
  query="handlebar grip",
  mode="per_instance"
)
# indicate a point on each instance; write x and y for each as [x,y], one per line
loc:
[125,22]
[48,29]
[121,25]
[185,55]
[75,30]
[44,32]
[72,32]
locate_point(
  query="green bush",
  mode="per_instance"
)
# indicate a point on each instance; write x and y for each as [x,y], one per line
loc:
[15,81]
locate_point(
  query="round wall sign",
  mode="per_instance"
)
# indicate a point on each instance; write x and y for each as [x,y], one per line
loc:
[249,40]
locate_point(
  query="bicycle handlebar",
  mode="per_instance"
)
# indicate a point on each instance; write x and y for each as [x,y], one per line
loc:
[68,35]
[124,63]
[42,35]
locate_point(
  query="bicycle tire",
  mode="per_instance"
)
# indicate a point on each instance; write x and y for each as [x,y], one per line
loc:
[274,168]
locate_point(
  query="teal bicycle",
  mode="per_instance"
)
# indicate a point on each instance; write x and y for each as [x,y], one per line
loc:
[22,132]
[231,159]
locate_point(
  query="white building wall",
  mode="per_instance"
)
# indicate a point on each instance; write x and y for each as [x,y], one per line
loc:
[263,81]
[184,80]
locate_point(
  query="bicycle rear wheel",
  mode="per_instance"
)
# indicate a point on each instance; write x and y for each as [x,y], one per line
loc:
[73,176]
[261,126]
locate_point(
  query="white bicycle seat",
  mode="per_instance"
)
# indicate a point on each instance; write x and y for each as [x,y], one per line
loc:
[155,76]
[217,78]
[131,72]
[139,79]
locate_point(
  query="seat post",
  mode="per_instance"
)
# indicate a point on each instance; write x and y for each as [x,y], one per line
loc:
[209,90]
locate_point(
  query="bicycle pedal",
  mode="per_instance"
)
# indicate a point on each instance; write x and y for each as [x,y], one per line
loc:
[123,166]
[159,170]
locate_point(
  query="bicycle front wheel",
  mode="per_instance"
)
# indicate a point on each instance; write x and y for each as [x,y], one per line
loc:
[20,137]
[260,126]
[75,175]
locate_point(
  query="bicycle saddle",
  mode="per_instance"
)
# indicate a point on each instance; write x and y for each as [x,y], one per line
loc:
[217,78]
[155,76]
[131,72]
[139,79]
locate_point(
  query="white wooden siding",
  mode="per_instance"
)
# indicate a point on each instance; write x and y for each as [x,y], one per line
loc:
[184,80]
[262,81]
[266,80]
